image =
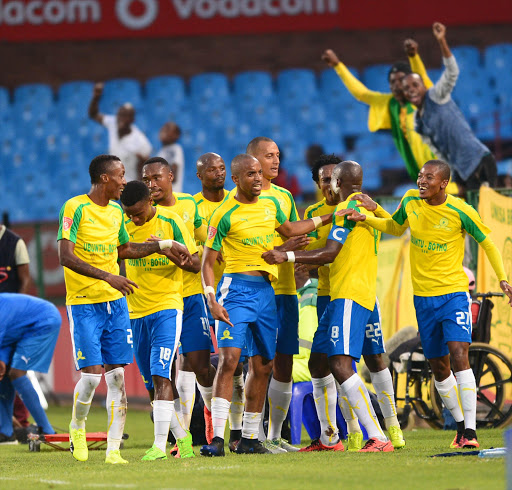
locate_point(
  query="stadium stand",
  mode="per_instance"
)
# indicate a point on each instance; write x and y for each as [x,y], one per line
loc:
[298,107]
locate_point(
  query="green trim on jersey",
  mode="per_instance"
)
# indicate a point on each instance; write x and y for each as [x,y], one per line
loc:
[309,215]
[400,216]
[223,228]
[77,217]
[468,224]
[280,216]
[197,218]
[347,223]
[293,213]
[177,235]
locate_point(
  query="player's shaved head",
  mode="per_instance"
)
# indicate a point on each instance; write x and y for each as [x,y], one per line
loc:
[252,147]
[442,167]
[206,160]
[240,163]
[348,171]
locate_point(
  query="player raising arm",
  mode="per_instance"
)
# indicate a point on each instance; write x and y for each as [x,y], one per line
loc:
[244,226]
[439,223]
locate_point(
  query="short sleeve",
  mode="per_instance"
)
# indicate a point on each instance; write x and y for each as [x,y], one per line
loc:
[109,121]
[69,221]
[21,253]
[197,217]
[280,216]
[400,215]
[218,228]
[123,234]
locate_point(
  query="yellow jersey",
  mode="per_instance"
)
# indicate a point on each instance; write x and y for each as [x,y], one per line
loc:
[285,284]
[186,208]
[160,281]
[206,209]
[96,231]
[245,232]
[437,241]
[319,239]
[353,274]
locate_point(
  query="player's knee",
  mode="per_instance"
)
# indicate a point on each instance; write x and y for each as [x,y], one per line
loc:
[227,364]
[89,383]
[375,363]
[115,378]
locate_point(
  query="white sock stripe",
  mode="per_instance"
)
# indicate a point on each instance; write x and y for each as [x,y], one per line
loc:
[72,332]
[470,313]
[347,314]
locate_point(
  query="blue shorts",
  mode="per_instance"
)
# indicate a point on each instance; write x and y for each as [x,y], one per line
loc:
[442,319]
[101,333]
[288,328]
[195,333]
[155,340]
[321,304]
[251,306]
[346,328]
[32,348]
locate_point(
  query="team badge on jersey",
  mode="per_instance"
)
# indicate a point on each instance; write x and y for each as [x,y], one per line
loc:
[66,223]
[186,217]
[443,225]
[212,231]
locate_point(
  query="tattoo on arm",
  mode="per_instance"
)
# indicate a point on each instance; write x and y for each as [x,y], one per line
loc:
[138,250]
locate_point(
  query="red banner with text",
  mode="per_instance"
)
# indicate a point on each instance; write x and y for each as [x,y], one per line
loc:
[53,20]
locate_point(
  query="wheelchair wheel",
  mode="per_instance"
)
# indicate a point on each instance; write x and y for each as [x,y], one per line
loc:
[493,375]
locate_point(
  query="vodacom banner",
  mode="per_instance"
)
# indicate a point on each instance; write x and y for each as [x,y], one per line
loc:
[496,212]
[29,20]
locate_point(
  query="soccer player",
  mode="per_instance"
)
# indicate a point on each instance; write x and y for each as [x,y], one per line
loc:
[28,333]
[92,236]
[441,123]
[324,387]
[244,226]
[211,171]
[349,326]
[266,152]
[156,310]
[195,341]
[439,223]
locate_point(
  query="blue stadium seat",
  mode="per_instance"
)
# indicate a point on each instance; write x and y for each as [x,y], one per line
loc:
[468,57]
[118,92]
[503,90]
[250,85]
[296,82]
[376,77]
[332,89]
[169,87]
[498,58]
[76,90]
[39,93]
[328,134]
[354,119]
[4,99]
[434,74]
[401,189]
[207,86]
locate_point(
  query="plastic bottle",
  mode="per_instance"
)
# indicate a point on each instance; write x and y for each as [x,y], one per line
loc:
[498,452]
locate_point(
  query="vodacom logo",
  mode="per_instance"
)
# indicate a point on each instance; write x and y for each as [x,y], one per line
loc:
[137,14]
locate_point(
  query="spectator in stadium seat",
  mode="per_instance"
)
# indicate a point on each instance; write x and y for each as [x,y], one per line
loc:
[391,111]
[172,151]
[443,126]
[28,334]
[125,139]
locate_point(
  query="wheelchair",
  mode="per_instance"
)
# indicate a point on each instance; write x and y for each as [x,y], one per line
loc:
[492,369]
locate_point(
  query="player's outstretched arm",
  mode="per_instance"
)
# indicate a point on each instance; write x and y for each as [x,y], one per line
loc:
[289,229]
[417,66]
[494,256]
[208,280]
[67,258]
[320,256]
[385,225]
[368,203]
[94,110]
[439,31]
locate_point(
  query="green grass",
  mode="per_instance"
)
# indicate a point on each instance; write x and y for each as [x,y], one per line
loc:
[409,468]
